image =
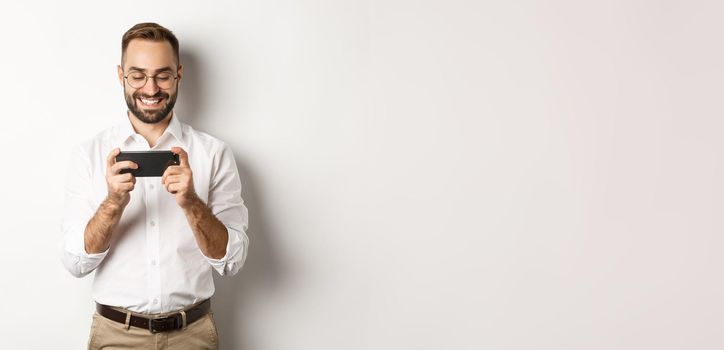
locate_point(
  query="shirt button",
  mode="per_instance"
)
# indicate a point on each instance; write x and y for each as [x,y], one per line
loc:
[155,301]
[153,223]
[153,262]
[150,186]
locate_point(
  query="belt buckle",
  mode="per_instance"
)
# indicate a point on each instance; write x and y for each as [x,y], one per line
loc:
[151,322]
[166,324]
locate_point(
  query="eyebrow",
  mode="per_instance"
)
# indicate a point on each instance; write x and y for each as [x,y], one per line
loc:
[156,71]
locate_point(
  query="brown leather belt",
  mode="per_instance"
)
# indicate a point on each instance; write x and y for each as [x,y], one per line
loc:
[155,325]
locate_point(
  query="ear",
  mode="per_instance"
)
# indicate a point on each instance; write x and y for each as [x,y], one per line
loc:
[120,75]
[180,72]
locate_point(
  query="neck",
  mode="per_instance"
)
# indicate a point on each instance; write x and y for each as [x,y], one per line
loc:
[150,132]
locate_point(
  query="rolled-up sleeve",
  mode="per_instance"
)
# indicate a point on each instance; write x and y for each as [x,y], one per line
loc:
[77,211]
[227,205]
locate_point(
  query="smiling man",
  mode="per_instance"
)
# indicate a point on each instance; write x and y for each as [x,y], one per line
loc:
[153,241]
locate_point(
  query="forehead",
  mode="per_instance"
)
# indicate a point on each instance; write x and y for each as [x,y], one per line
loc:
[149,54]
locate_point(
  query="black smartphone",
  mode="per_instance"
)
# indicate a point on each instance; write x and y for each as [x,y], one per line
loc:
[150,163]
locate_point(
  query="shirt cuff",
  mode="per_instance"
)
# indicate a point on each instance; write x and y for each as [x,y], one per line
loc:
[89,262]
[77,260]
[233,245]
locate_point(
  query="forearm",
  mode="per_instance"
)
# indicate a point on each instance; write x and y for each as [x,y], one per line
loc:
[211,234]
[98,232]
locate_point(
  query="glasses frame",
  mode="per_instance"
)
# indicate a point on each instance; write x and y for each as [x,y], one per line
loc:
[175,77]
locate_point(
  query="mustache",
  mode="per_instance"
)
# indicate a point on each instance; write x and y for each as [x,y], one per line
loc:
[159,94]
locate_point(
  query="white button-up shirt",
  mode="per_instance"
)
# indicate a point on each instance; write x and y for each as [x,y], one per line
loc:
[153,264]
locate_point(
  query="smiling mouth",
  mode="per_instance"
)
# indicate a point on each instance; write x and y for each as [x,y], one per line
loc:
[151,102]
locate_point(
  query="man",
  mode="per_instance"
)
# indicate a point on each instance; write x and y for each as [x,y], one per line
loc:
[153,241]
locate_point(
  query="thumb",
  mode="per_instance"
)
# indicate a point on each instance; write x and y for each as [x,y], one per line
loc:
[182,155]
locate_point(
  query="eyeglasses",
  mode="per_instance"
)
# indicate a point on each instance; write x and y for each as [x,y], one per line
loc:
[138,80]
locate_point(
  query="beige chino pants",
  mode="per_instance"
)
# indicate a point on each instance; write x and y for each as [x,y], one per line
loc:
[111,335]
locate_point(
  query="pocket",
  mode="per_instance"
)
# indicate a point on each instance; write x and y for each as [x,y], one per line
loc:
[93,332]
[213,332]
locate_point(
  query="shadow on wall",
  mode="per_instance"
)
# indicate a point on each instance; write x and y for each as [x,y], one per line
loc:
[190,103]
[261,273]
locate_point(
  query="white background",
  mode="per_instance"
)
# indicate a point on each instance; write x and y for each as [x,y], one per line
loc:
[419,174]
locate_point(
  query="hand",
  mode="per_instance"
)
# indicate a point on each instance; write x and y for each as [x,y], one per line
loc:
[119,185]
[179,181]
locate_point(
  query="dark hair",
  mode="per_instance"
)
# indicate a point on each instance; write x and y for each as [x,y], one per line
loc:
[149,31]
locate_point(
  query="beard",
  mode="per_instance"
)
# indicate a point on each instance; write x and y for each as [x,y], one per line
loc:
[150,116]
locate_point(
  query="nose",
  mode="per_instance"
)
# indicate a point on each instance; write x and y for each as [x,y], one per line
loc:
[150,88]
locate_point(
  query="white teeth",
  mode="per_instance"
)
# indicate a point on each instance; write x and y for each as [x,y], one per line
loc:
[149,102]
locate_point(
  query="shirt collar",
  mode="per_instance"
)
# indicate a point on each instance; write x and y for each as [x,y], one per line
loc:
[174,128]
[126,130]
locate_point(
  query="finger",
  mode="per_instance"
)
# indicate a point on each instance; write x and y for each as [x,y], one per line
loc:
[172,179]
[112,157]
[174,187]
[172,170]
[126,164]
[127,186]
[127,177]
[182,155]
[123,187]
[163,177]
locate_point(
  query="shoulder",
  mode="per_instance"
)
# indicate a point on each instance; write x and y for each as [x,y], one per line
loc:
[97,145]
[203,142]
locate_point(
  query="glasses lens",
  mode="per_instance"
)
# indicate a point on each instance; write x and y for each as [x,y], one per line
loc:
[164,80]
[136,80]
